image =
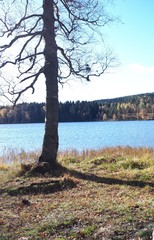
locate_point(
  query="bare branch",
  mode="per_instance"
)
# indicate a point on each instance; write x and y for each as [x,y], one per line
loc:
[30,86]
[76,25]
[23,36]
[23,20]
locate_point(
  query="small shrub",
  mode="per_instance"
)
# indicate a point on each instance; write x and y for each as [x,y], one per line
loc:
[133,164]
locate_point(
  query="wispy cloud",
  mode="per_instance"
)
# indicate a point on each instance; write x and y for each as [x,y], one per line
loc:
[141,68]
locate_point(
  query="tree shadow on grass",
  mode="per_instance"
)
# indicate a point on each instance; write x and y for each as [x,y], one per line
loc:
[45,187]
[52,186]
[110,181]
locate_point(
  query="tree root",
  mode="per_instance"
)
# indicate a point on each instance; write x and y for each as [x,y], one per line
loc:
[42,168]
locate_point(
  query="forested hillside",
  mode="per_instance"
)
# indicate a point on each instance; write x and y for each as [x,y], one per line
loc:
[136,107]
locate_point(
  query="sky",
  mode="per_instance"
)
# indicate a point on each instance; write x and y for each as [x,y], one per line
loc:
[132,42]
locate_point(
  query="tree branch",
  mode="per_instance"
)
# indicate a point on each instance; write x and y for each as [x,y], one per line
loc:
[35,76]
[23,36]
[17,25]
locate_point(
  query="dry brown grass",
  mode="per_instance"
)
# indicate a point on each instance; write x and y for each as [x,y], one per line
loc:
[108,194]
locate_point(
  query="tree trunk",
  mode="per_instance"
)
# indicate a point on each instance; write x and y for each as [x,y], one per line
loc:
[50,143]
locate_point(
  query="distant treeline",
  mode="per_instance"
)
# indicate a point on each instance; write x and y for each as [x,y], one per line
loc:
[136,107]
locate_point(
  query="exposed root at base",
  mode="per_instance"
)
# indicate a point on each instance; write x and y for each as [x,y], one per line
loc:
[36,169]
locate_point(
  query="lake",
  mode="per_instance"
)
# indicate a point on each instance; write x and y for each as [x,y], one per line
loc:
[79,135]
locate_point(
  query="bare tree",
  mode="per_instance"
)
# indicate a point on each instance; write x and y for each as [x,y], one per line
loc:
[58,39]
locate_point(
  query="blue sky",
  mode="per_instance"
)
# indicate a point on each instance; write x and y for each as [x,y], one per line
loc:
[132,41]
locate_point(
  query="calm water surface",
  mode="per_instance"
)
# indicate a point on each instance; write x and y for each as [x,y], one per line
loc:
[84,135]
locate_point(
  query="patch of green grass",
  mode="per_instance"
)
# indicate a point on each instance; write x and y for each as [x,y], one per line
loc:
[135,163]
[32,233]
[145,233]
[5,237]
[88,231]
[61,227]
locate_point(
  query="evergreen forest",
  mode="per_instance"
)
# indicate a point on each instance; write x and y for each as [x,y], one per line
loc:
[135,107]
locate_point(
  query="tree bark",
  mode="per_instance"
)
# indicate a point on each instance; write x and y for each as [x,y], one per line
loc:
[50,142]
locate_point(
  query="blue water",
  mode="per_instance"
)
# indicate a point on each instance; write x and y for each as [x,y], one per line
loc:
[83,135]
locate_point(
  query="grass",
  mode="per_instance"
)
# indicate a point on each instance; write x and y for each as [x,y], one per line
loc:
[108,194]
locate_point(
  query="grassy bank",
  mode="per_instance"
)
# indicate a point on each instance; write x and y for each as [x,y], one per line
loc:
[108,194]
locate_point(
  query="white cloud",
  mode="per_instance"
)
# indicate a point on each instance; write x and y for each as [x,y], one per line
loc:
[125,80]
[141,68]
